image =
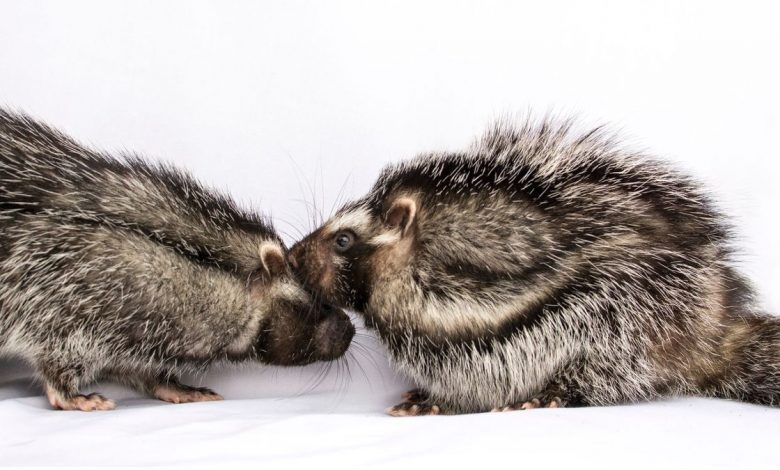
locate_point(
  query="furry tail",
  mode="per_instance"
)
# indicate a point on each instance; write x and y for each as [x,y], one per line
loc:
[752,368]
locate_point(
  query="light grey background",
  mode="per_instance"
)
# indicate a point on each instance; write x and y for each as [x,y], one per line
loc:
[289,104]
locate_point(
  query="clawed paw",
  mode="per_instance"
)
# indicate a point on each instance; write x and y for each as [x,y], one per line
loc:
[183,394]
[409,408]
[553,402]
[415,396]
[91,402]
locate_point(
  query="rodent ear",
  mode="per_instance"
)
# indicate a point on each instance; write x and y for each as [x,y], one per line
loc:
[273,260]
[401,214]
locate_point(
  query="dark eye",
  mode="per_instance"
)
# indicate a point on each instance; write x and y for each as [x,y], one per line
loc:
[343,241]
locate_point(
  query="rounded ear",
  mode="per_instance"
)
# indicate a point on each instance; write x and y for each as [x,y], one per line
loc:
[401,214]
[273,260]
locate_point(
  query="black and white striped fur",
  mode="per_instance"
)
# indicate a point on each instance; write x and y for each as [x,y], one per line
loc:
[546,267]
[116,268]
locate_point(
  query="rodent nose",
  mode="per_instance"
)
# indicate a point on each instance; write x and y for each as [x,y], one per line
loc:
[335,334]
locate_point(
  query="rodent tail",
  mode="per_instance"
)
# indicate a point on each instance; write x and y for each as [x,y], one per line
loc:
[752,368]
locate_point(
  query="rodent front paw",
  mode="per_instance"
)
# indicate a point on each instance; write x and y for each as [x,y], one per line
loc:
[553,402]
[409,408]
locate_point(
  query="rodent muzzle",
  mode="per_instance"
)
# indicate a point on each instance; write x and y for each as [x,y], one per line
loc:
[296,256]
[308,264]
[333,335]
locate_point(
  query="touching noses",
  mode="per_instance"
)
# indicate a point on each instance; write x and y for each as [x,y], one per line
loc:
[335,334]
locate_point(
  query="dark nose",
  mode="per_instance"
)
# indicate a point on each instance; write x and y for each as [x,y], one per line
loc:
[335,335]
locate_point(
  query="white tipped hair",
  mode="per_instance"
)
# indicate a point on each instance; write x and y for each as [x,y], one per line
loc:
[358,220]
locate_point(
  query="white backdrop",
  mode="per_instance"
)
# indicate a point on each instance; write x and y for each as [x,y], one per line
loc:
[290,103]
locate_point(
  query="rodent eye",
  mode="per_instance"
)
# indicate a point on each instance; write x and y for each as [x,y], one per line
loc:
[343,241]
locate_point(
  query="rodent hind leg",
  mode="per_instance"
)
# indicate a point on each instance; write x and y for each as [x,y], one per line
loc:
[162,384]
[171,390]
[61,387]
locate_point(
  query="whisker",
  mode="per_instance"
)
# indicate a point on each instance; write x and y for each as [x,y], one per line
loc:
[353,355]
[338,200]
[311,208]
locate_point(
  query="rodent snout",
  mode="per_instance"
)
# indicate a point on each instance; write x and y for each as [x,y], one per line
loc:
[334,334]
[309,265]
[292,260]
[294,257]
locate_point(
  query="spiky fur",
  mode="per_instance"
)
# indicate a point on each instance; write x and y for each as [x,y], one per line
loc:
[44,170]
[543,263]
[119,268]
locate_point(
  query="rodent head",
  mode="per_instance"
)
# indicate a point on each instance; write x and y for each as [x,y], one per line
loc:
[433,249]
[297,329]
[363,245]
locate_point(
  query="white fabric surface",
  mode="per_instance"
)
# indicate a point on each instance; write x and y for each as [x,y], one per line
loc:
[266,420]
[336,430]
[289,100]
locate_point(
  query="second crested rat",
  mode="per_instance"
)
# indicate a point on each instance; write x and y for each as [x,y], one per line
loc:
[546,267]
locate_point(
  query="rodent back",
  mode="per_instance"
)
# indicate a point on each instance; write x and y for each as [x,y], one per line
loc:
[44,170]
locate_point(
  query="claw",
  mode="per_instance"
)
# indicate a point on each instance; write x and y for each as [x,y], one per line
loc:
[413,409]
[554,402]
[91,402]
[176,394]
